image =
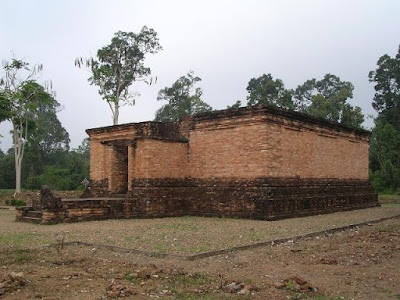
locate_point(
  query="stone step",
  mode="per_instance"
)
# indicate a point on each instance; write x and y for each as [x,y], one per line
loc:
[34,214]
[31,219]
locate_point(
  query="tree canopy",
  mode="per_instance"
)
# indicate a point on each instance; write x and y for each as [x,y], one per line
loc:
[264,90]
[387,89]
[183,99]
[326,98]
[120,64]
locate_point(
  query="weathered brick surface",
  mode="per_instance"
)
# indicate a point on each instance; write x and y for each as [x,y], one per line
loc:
[157,159]
[254,146]
[261,198]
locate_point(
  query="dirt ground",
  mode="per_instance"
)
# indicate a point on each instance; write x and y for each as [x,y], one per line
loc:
[360,263]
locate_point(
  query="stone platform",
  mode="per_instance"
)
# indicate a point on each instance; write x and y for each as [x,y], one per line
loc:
[264,199]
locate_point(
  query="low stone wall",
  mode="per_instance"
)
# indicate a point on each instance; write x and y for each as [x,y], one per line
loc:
[263,198]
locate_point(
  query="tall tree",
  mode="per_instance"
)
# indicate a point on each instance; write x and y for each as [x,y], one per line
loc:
[385,140]
[264,90]
[24,95]
[387,89]
[120,64]
[183,99]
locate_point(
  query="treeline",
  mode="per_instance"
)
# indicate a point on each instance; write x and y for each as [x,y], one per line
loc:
[327,98]
[61,169]
[48,158]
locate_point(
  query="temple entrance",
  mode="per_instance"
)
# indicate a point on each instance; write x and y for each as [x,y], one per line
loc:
[118,176]
[123,171]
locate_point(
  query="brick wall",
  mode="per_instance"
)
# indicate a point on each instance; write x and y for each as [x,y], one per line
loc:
[255,146]
[157,159]
[262,198]
[100,155]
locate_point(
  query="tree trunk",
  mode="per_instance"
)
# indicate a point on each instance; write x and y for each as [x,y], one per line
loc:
[17,176]
[116,114]
[18,134]
[18,160]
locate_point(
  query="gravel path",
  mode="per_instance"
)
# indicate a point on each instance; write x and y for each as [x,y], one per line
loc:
[183,235]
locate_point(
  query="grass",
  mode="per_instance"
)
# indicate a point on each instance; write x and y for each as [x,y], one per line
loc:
[383,228]
[389,198]
[21,256]
[5,196]
[110,241]
[159,248]
[131,238]
[390,204]
[192,279]
[22,238]
[176,227]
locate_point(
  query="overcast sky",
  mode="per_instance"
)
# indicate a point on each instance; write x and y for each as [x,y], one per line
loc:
[226,43]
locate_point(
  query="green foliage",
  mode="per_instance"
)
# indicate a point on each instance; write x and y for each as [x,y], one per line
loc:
[7,170]
[65,176]
[60,169]
[237,104]
[326,98]
[183,100]
[121,63]
[21,98]
[264,90]
[17,202]
[385,139]
[5,107]
[387,89]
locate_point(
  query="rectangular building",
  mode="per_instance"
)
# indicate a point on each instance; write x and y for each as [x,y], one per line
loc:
[258,162]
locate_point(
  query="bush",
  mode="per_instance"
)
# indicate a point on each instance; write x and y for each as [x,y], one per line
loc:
[17,202]
[387,179]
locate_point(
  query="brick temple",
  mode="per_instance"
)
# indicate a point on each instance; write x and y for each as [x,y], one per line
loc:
[259,162]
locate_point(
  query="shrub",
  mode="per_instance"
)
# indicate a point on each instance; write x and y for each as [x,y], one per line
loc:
[17,202]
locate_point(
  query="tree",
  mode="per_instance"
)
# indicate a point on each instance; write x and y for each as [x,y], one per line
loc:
[387,89]
[183,99]
[119,64]
[328,99]
[48,142]
[5,107]
[385,157]
[264,90]
[385,139]
[7,170]
[237,104]
[23,95]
